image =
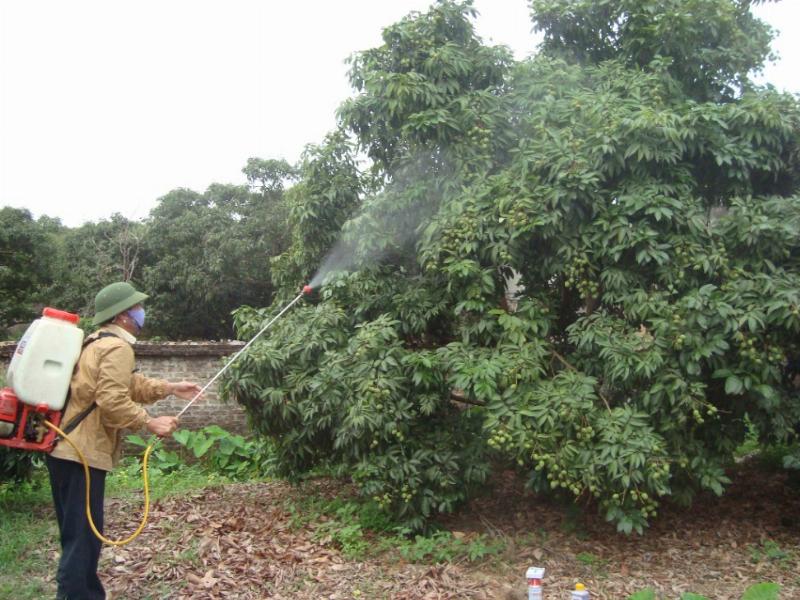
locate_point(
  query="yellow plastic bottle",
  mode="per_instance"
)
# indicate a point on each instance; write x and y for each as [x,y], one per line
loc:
[580,592]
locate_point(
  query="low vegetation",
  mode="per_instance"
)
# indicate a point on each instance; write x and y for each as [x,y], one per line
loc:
[319,523]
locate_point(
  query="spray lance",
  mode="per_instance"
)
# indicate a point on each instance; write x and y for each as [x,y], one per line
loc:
[306,290]
[25,419]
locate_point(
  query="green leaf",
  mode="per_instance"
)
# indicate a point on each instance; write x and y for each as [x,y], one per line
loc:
[733,385]
[181,436]
[762,591]
[137,440]
[646,594]
[202,446]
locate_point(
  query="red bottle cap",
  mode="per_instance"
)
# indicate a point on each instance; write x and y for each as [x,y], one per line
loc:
[62,315]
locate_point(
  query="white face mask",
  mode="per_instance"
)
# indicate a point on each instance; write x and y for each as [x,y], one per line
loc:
[137,314]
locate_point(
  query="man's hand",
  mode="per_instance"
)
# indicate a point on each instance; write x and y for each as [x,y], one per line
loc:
[162,426]
[184,390]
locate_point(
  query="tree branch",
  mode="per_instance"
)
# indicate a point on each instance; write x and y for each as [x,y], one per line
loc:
[460,396]
[566,363]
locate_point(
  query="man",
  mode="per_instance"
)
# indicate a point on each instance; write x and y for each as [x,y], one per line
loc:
[106,386]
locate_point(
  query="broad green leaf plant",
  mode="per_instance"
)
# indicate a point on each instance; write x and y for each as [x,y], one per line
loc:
[643,193]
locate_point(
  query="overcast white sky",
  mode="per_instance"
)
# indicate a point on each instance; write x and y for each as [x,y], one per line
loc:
[105,106]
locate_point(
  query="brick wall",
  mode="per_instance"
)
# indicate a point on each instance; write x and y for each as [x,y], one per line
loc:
[175,361]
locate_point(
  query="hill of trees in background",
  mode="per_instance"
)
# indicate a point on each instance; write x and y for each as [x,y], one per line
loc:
[198,255]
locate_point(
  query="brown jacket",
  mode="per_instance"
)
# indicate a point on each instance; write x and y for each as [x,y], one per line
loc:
[104,374]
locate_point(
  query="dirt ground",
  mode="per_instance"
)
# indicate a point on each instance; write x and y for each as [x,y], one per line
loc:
[240,541]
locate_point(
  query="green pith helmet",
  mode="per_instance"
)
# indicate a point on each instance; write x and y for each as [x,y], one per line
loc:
[114,299]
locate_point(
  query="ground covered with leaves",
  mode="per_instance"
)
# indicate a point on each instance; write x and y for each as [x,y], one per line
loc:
[275,540]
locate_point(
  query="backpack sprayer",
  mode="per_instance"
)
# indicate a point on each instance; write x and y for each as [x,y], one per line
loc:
[39,376]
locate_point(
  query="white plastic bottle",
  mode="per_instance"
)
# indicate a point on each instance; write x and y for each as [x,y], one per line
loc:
[534,576]
[580,592]
[41,368]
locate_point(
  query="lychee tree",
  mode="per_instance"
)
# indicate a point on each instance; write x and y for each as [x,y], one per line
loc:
[644,193]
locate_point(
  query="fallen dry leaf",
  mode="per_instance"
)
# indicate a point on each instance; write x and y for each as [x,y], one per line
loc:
[238,542]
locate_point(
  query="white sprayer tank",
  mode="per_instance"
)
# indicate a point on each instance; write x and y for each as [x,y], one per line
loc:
[42,365]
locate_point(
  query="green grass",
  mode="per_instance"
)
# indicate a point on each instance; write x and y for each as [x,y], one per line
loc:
[770,551]
[444,547]
[29,527]
[126,480]
[361,530]
[32,536]
[597,566]
[758,591]
[29,531]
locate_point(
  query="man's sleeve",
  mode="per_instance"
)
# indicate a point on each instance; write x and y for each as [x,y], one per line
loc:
[113,396]
[146,390]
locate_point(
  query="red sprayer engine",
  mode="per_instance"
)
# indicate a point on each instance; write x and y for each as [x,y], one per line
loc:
[22,425]
[38,378]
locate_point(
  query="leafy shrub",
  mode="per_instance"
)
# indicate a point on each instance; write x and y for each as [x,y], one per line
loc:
[648,206]
[229,454]
[18,465]
[217,450]
[361,412]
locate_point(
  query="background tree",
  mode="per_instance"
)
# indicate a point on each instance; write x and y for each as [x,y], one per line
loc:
[200,256]
[25,267]
[269,176]
[90,257]
[710,47]
[324,199]
[207,254]
[645,191]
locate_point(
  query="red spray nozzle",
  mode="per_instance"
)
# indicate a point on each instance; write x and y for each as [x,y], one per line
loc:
[307,289]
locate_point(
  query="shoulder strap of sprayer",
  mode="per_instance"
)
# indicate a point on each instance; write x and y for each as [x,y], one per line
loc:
[76,420]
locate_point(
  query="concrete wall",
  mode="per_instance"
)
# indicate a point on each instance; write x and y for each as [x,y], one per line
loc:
[175,361]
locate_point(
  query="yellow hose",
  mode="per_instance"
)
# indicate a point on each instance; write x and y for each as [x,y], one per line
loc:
[99,535]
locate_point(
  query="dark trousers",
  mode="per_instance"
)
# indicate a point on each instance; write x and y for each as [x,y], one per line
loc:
[80,549]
